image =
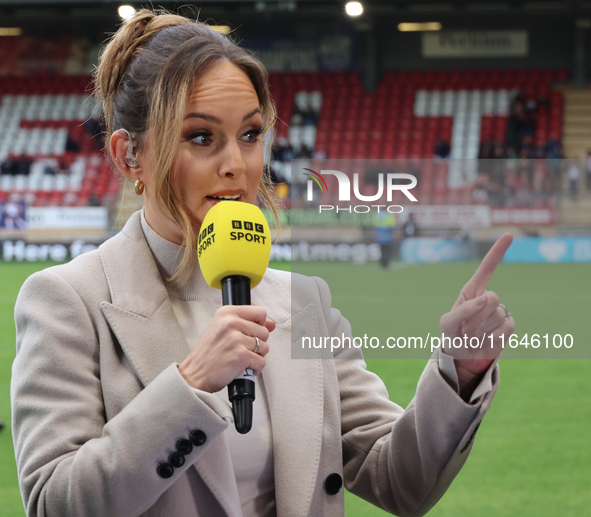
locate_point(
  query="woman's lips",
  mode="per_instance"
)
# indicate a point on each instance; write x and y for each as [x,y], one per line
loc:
[215,200]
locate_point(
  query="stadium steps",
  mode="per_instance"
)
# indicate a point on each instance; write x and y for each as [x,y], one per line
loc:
[575,213]
[577,122]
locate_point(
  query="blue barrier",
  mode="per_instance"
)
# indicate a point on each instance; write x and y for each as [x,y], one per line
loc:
[425,250]
[549,250]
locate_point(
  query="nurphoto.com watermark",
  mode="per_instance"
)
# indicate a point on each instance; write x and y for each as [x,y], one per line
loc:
[446,343]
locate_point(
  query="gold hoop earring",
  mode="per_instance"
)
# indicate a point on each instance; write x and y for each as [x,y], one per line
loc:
[139,187]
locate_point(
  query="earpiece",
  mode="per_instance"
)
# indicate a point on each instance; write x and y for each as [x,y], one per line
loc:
[130,158]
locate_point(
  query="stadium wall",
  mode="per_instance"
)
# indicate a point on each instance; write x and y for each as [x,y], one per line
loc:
[547,48]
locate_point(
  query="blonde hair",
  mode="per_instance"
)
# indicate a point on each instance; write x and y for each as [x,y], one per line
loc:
[143,78]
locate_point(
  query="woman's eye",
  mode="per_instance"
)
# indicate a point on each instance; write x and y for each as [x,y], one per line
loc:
[201,138]
[252,136]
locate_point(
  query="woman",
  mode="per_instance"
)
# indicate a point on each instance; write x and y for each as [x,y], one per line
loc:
[122,353]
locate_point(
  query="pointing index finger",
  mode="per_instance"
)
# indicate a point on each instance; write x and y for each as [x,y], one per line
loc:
[489,263]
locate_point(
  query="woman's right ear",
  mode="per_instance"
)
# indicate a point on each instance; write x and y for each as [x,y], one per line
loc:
[121,149]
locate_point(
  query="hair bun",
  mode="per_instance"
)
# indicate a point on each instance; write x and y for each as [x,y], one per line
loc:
[117,56]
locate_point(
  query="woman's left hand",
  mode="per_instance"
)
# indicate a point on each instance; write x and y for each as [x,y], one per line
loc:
[477,320]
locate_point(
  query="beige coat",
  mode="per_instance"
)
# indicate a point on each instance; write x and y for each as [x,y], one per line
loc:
[98,401]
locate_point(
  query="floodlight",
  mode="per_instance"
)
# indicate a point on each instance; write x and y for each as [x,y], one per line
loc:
[126,11]
[354,8]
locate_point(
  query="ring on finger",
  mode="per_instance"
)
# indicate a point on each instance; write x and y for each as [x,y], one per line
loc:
[507,313]
[258,344]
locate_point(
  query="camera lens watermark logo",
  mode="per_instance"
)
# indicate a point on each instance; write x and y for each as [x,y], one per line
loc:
[387,184]
[316,177]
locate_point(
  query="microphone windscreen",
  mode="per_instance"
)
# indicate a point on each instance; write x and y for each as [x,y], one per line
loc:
[234,240]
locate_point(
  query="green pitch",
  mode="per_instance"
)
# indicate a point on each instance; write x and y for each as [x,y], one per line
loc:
[532,453]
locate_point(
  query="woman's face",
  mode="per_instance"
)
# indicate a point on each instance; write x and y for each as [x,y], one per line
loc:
[220,155]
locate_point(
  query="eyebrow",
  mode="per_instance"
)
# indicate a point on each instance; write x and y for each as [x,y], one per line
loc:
[215,120]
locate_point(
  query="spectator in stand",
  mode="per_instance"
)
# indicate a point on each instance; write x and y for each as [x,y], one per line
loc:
[531,106]
[511,153]
[588,170]
[513,126]
[96,128]
[282,152]
[499,151]
[93,126]
[521,122]
[304,153]
[442,149]
[50,166]
[480,192]
[71,145]
[573,179]
[276,151]
[297,119]
[554,158]
[94,200]
[14,216]
[486,150]
[63,167]
[538,185]
[286,152]
[554,150]
[524,166]
[6,167]
[527,147]
[310,118]
[304,115]
[23,166]
[496,196]
[510,187]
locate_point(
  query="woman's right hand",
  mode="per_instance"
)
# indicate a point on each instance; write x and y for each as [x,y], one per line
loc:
[227,347]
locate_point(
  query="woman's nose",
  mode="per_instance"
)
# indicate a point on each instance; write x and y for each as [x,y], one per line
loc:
[233,164]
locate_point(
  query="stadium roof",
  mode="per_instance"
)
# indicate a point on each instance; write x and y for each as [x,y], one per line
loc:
[371,5]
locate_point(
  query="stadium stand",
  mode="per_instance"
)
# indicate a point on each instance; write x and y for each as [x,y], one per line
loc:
[50,143]
[460,114]
[49,148]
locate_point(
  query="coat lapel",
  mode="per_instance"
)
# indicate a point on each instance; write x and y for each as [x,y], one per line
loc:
[142,318]
[140,314]
[296,404]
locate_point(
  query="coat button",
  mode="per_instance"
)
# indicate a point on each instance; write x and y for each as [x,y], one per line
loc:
[197,437]
[184,446]
[165,470]
[176,459]
[333,484]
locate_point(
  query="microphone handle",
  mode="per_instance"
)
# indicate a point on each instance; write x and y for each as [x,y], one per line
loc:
[236,290]
[241,391]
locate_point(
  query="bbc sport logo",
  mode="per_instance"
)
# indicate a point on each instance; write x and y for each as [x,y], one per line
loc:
[207,231]
[247,225]
[345,191]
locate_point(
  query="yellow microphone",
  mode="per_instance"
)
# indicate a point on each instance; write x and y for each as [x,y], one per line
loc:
[233,249]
